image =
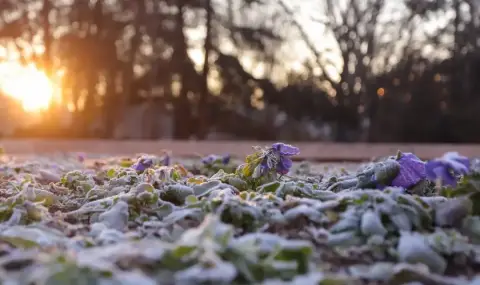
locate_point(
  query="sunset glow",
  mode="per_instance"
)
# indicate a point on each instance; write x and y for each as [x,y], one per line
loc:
[27,84]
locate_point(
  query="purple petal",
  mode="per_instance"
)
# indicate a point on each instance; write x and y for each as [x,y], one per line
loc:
[81,156]
[142,164]
[147,162]
[285,149]
[448,167]
[412,171]
[264,164]
[459,164]
[138,166]
[166,160]
[448,178]
[226,159]
[433,167]
[208,159]
[284,165]
[438,169]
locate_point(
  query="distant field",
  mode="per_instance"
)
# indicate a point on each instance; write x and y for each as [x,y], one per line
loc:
[315,151]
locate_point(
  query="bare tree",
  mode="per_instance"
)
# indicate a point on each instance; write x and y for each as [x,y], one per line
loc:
[353,26]
[203,113]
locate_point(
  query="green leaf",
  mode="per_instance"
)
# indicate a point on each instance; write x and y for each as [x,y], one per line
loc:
[206,188]
[126,163]
[220,175]
[248,169]
[475,198]
[271,187]
[191,199]
[257,172]
[253,157]
[386,171]
[238,183]
[164,210]
[183,250]
[111,173]
[414,248]
[176,193]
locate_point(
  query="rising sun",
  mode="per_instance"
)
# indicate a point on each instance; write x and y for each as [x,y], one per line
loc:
[27,84]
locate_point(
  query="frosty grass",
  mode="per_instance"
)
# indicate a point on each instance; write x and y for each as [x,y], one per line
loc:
[66,220]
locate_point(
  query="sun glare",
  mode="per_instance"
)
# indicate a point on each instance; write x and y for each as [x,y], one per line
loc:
[29,85]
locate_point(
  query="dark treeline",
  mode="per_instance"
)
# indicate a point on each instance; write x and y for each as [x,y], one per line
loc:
[372,70]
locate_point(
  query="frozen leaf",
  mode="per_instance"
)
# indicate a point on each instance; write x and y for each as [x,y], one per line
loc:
[164,210]
[220,175]
[213,272]
[116,217]
[241,214]
[303,210]
[414,248]
[313,278]
[471,228]
[475,281]
[178,215]
[452,212]
[386,171]
[371,224]
[381,271]
[405,273]
[15,218]
[71,274]
[350,220]
[110,236]
[129,278]
[271,187]
[401,221]
[265,242]
[176,193]
[238,183]
[258,171]
[144,252]
[40,195]
[49,176]
[190,200]
[204,189]
[348,238]
[143,187]
[30,236]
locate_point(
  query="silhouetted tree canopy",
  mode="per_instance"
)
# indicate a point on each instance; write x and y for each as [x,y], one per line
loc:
[373,70]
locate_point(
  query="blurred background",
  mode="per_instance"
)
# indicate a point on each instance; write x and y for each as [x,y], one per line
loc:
[312,70]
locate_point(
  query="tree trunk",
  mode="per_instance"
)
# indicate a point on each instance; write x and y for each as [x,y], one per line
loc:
[182,107]
[47,38]
[109,105]
[203,113]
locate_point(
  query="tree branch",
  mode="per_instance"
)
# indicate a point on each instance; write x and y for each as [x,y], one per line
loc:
[308,42]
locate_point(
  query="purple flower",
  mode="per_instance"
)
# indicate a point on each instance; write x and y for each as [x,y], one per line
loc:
[166,160]
[212,159]
[412,171]
[142,164]
[448,167]
[226,159]
[81,156]
[283,152]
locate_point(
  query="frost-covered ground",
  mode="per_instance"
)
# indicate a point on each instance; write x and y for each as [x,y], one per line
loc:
[73,219]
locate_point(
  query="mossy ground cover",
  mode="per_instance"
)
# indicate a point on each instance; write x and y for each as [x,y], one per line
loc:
[260,220]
